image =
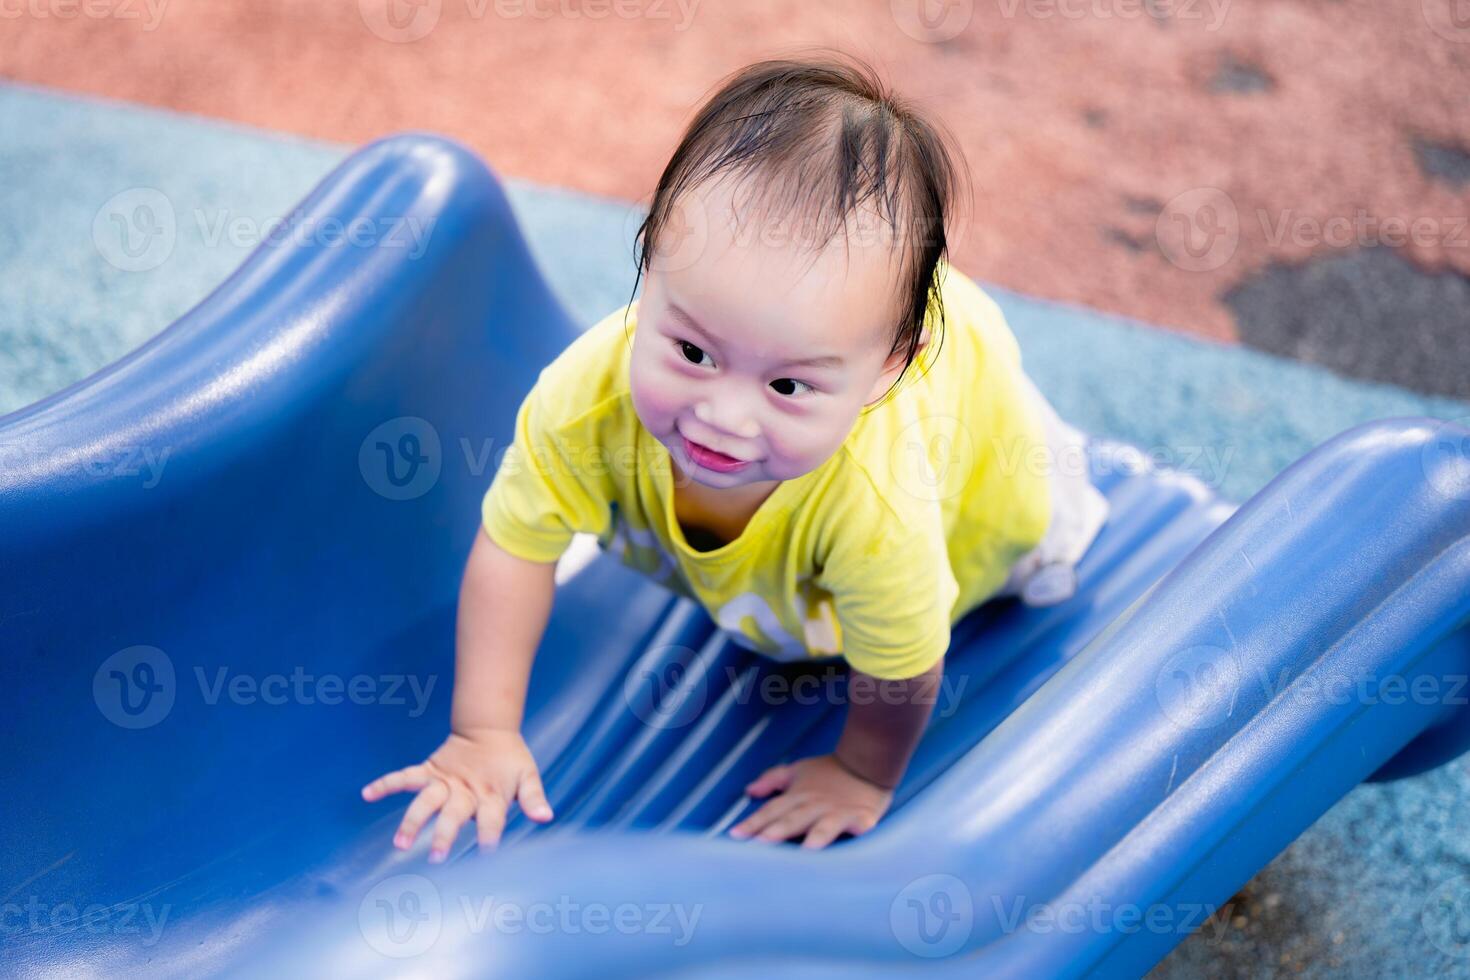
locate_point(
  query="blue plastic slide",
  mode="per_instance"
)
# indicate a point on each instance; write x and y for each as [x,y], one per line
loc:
[229,566]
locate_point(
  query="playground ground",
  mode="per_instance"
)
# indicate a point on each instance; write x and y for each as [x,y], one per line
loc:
[1110,145]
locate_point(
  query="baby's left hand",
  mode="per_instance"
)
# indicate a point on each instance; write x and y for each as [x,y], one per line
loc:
[818,795]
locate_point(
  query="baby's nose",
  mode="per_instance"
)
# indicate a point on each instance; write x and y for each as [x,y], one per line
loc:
[728,416]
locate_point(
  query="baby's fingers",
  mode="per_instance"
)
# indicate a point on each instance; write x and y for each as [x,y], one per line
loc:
[490,820]
[459,808]
[409,778]
[794,822]
[533,797]
[760,819]
[828,829]
[424,806]
[774,778]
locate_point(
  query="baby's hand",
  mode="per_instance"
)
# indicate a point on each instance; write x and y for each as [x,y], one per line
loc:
[819,795]
[477,775]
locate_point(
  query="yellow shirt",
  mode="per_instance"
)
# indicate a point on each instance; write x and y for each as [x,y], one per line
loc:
[872,556]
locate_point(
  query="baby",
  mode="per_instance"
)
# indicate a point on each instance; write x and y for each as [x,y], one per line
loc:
[807,424]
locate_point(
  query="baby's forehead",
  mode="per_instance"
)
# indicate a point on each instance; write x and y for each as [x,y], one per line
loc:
[782,212]
[813,285]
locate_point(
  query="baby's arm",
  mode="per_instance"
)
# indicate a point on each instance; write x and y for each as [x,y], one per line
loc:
[848,791]
[504,605]
[885,720]
[484,765]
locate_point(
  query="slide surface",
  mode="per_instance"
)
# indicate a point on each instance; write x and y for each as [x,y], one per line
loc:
[228,589]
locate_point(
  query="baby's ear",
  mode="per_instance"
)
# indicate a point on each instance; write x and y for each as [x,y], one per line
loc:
[923,339]
[891,368]
[923,342]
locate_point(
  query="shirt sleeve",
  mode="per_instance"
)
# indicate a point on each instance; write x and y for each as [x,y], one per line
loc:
[893,608]
[538,500]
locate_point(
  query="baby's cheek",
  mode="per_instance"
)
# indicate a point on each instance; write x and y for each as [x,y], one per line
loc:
[655,403]
[807,443]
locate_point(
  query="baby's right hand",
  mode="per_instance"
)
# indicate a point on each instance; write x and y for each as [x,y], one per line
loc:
[478,775]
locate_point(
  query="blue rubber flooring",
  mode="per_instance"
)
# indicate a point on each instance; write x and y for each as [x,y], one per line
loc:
[1344,900]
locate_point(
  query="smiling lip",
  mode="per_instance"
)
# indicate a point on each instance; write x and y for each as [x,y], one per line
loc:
[711,460]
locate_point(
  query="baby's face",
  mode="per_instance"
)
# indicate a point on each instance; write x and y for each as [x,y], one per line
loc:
[728,327]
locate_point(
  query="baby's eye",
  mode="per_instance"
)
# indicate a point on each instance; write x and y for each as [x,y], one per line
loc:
[780,384]
[691,353]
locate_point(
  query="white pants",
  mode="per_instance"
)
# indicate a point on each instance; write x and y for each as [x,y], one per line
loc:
[1047,574]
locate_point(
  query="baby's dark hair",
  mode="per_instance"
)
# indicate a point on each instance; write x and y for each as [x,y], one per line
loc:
[826,135]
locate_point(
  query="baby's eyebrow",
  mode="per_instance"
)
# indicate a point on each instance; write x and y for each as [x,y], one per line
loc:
[825,360]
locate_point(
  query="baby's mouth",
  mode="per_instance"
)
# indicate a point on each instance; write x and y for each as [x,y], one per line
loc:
[710,459]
